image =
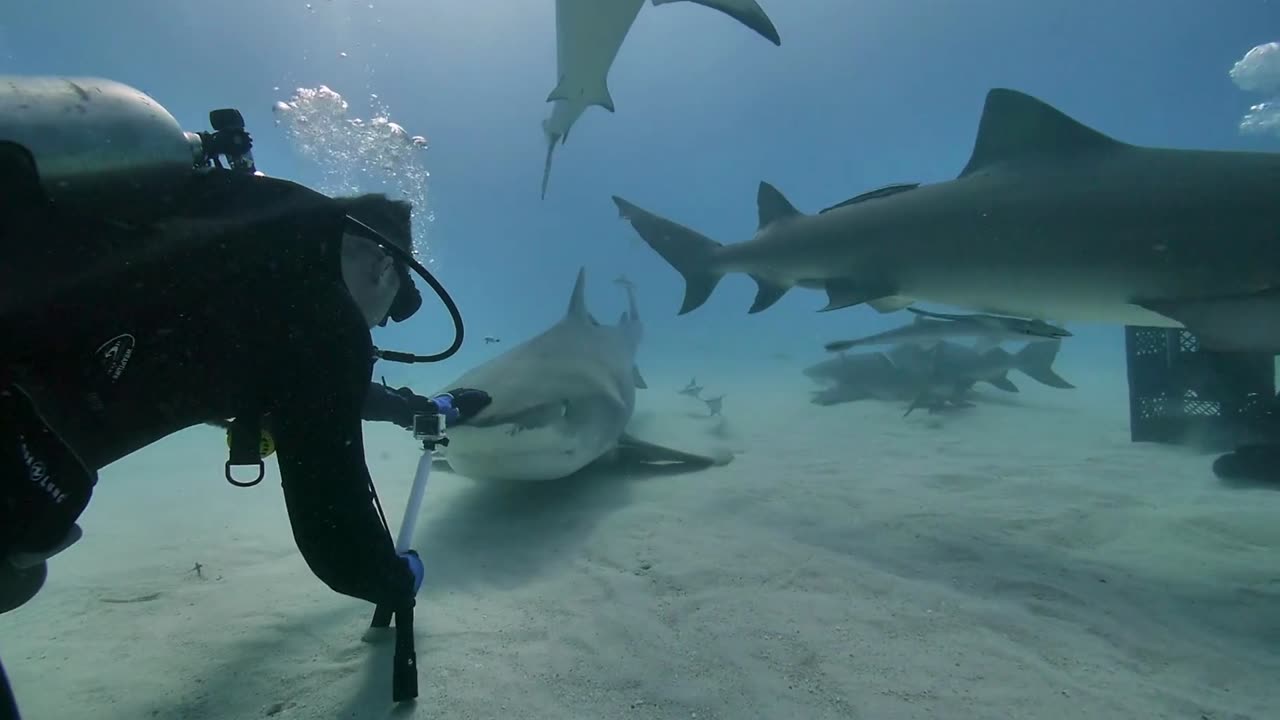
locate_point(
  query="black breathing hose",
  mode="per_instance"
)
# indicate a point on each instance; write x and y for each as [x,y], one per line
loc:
[407,258]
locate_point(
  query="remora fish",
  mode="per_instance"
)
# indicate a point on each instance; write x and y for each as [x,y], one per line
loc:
[988,330]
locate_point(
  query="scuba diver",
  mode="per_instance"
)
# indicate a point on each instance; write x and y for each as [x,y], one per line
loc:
[1254,463]
[145,289]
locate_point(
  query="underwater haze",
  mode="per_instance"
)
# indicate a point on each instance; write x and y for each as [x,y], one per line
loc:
[1013,557]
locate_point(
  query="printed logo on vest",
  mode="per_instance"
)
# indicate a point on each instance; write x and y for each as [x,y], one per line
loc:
[114,355]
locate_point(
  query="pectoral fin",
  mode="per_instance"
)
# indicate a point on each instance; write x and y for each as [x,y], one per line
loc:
[847,292]
[633,450]
[747,12]
[767,293]
[892,303]
[1004,383]
[1229,324]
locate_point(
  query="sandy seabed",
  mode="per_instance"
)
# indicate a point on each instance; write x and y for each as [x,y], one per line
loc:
[1019,560]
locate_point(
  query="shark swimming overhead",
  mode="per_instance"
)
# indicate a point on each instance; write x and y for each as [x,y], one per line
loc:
[589,34]
[1049,219]
[561,400]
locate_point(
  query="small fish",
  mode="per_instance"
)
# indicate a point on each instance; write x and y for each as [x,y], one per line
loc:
[489,340]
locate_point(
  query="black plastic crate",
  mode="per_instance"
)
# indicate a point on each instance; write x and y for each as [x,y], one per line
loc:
[1178,390]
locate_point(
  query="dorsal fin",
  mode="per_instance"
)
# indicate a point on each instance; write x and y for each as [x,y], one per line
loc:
[578,300]
[1015,125]
[773,205]
[885,191]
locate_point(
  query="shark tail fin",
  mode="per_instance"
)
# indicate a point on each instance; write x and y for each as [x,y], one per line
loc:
[688,251]
[1036,362]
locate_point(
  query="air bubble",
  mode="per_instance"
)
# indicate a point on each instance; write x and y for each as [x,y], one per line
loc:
[356,155]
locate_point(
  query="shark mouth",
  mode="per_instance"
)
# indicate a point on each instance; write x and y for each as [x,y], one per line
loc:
[532,418]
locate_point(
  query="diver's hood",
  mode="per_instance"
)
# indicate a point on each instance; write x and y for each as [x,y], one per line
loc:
[407,300]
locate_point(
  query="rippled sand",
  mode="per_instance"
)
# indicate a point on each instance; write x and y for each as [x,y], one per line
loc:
[1018,560]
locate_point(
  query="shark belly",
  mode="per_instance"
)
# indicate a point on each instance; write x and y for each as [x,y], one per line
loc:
[507,454]
[1075,248]
[1063,297]
[589,34]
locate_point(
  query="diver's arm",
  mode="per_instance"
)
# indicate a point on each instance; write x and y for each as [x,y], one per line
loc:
[326,481]
[382,404]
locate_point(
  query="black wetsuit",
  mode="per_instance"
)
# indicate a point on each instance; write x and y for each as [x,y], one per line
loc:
[234,305]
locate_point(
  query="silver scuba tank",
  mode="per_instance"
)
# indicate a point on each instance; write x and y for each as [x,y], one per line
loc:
[98,145]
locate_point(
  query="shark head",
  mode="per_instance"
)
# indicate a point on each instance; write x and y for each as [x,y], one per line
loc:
[561,399]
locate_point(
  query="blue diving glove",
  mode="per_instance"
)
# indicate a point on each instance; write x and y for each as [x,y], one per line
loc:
[461,404]
[415,566]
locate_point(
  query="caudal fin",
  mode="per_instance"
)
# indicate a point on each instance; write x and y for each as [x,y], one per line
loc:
[1036,362]
[688,251]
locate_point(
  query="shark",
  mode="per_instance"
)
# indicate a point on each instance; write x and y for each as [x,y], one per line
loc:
[589,34]
[927,329]
[937,377]
[693,389]
[1049,218]
[561,401]
[858,376]
[948,371]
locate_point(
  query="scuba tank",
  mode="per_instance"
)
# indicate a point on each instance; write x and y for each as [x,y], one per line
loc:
[102,147]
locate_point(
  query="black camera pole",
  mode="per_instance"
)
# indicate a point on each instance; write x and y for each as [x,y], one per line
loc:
[429,429]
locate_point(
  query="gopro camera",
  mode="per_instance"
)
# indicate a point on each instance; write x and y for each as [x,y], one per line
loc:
[429,427]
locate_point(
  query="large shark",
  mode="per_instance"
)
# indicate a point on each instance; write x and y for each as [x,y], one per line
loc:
[561,400]
[928,329]
[1049,219]
[589,34]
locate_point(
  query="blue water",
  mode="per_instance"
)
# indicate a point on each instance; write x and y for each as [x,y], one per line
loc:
[861,94]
